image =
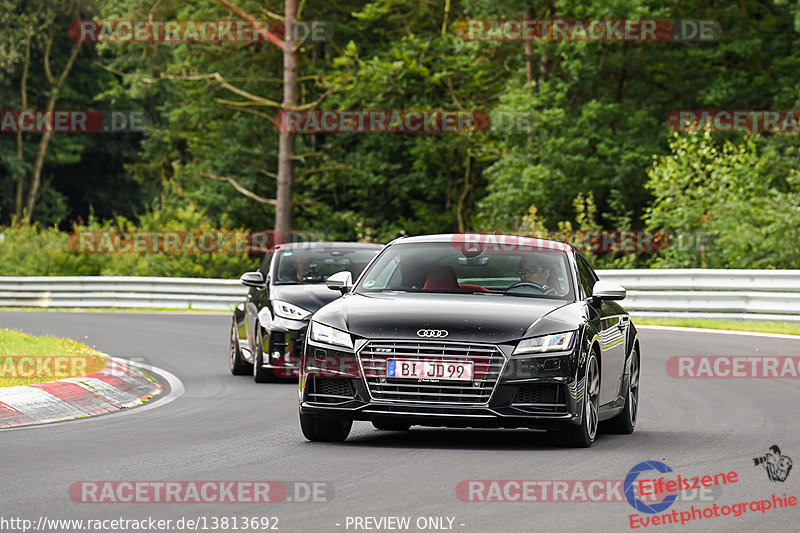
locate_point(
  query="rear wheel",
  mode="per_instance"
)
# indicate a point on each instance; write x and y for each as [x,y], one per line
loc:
[238,366]
[260,374]
[318,429]
[391,425]
[583,436]
[625,422]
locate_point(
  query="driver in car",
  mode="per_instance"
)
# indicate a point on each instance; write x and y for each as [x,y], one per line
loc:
[533,270]
[302,267]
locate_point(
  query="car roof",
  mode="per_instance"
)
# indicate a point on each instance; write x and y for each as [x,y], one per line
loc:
[488,240]
[318,245]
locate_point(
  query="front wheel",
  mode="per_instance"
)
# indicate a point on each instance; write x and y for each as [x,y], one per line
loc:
[238,366]
[261,374]
[318,429]
[625,422]
[583,436]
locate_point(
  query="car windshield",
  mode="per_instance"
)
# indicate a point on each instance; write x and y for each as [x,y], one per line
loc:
[443,267]
[316,265]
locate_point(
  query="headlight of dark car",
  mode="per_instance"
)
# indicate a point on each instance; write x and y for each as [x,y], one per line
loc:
[556,342]
[290,311]
[328,335]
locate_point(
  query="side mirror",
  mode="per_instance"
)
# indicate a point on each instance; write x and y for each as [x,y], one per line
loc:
[253,279]
[606,290]
[341,281]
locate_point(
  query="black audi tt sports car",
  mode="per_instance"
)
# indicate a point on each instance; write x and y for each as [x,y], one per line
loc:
[286,289]
[472,331]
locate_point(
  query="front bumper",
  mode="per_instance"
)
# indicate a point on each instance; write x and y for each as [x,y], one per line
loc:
[284,356]
[508,392]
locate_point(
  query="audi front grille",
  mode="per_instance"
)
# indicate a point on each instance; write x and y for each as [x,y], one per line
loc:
[487,362]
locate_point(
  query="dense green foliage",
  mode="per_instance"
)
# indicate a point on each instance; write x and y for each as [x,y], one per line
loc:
[732,198]
[590,147]
[29,250]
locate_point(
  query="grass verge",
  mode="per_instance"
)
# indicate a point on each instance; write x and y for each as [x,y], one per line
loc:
[26,359]
[785,328]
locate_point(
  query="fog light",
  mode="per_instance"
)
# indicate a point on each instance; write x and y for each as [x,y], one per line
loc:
[545,364]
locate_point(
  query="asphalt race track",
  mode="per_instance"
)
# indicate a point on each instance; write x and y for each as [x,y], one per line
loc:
[226,428]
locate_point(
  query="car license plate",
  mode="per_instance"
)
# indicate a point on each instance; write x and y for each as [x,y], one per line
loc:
[447,370]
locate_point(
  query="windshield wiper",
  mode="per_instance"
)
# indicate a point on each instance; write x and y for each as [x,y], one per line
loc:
[384,290]
[538,296]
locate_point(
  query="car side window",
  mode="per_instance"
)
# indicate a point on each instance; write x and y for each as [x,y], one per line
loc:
[586,275]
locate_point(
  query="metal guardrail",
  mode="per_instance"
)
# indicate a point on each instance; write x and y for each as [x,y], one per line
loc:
[122,292]
[700,293]
[669,293]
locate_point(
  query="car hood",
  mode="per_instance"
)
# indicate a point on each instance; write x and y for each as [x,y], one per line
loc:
[470,317]
[309,296]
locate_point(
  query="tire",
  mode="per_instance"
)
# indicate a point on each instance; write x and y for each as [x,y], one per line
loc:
[391,425]
[261,375]
[625,422]
[583,436]
[318,429]
[238,366]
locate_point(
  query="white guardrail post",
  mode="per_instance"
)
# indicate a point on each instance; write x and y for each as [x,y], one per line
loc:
[730,294]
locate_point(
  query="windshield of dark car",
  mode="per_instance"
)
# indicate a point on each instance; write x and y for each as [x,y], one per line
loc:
[316,265]
[443,267]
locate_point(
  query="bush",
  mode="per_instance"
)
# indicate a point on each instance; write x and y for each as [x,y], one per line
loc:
[743,203]
[33,250]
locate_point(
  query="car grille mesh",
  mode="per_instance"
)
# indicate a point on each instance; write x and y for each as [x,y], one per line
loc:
[537,393]
[547,397]
[330,390]
[487,364]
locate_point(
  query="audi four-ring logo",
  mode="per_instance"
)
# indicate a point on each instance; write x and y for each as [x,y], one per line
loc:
[439,333]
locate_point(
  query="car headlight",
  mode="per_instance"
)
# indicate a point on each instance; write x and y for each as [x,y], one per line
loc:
[287,310]
[558,342]
[329,335]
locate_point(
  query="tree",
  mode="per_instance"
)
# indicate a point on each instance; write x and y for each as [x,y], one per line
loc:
[35,30]
[283,200]
[723,206]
